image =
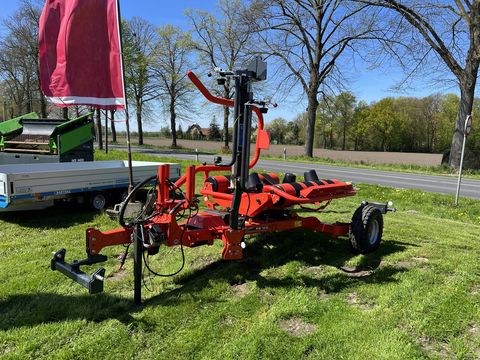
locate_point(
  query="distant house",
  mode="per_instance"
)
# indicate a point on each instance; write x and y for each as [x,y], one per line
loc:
[195,132]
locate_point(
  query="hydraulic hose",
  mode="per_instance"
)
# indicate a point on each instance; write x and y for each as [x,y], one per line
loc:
[123,207]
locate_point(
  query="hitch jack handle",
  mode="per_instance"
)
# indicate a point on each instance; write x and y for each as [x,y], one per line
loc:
[94,282]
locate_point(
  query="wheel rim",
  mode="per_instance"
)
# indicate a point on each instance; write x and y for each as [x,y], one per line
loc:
[99,202]
[373,231]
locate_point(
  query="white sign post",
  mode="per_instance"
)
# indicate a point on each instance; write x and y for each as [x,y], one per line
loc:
[466,132]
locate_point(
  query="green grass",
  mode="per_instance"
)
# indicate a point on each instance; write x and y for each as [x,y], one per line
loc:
[295,295]
[178,148]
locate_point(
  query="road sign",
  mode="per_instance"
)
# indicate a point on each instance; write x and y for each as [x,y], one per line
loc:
[466,131]
[468,125]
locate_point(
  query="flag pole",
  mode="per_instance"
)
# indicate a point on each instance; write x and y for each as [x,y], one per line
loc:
[127,120]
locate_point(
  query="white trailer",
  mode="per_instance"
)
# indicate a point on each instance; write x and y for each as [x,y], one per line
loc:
[38,186]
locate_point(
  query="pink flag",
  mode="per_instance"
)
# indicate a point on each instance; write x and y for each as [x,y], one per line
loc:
[80,53]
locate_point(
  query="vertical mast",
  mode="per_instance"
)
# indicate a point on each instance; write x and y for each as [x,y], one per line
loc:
[127,120]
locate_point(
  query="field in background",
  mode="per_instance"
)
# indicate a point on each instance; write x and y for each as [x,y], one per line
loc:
[296,294]
[369,157]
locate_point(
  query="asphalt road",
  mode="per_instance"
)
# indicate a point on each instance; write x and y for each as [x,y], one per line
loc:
[430,183]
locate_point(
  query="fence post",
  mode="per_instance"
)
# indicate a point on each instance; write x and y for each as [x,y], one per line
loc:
[284,153]
[196,155]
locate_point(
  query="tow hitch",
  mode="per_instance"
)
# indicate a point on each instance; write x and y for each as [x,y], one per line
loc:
[94,282]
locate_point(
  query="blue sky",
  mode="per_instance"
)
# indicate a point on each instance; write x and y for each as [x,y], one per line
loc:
[366,84]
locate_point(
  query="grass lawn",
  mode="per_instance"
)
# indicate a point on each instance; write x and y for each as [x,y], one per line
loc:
[295,295]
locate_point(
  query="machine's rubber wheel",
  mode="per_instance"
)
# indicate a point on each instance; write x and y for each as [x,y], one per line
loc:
[98,201]
[366,229]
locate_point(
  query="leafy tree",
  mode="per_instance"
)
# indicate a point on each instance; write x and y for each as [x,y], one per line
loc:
[360,125]
[384,124]
[277,129]
[297,129]
[293,133]
[325,123]
[344,106]
[214,132]
[180,133]
[165,132]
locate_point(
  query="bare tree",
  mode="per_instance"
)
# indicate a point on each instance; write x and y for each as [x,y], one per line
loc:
[222,41]
[171,64]
[309,37]
[19,62]
[140,39]
[450,34]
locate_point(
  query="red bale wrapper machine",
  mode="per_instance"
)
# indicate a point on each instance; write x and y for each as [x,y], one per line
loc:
[239,203]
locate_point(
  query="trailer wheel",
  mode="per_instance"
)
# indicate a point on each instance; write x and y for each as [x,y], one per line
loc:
[98,201]
[366,229]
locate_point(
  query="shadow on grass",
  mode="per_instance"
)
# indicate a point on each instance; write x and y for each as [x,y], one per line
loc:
[273,251]
[33,309]
[265,252]
[55,217]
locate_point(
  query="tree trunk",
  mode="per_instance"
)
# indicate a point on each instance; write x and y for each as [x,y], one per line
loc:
[226,114]
[106,131]
[467,93]
[112,126]
[344,135]
[139,123]
[99,129]
[173,125]
[43,106]
[29,97]
[311,117]
[43,103]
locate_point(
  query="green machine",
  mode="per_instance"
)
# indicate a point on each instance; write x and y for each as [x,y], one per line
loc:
[30,139]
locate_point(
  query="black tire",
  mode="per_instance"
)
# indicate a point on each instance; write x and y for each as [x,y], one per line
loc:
[366,229]
[98,201]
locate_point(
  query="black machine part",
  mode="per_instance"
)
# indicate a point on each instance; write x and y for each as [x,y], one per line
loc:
[383,207]
[290,178]
[94,282]
[310,175]
[255,71]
